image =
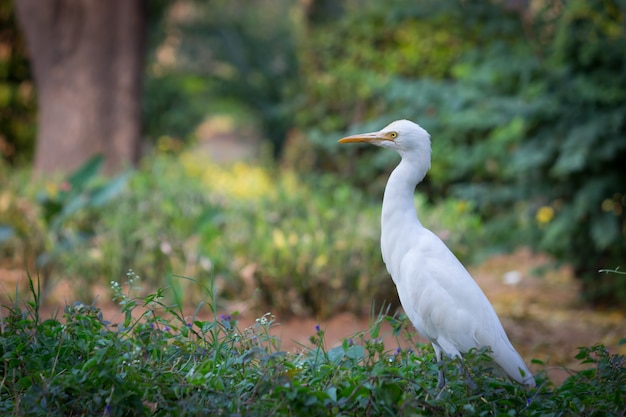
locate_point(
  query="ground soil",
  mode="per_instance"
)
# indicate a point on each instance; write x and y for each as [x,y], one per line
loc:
[542,314]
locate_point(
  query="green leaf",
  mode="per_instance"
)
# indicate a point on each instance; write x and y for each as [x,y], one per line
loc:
[391,393]
[76,203]
[107,192]
[86,172]
[356,352]
[336,354]
[332,393]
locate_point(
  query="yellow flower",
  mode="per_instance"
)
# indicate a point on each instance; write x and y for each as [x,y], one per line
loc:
[192,167]
[279,239]
[239,181]
[320,261]
[608,205]
[52,189]
[461,206]
[544,215]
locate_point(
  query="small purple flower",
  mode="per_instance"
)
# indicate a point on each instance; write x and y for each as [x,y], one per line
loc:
[152,325]
[317,328]
[166,328]
[398,351]
[190,325]
[350,342]
[107,410]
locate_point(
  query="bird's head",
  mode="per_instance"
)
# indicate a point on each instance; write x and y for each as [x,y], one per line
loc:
[409,139]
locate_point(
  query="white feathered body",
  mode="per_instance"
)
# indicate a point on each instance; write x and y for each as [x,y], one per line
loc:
[439,296]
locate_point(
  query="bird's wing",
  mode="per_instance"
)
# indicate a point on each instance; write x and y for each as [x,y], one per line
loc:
[447,306]
[444,297]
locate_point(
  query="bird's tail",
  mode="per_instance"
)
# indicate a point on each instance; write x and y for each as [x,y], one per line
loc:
[513,365]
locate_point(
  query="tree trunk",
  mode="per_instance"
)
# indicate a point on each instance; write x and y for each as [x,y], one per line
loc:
[87,60]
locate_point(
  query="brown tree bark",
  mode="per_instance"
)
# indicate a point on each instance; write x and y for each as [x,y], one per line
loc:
[87,60]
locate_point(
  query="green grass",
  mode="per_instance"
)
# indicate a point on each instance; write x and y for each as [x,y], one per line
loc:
[162,363]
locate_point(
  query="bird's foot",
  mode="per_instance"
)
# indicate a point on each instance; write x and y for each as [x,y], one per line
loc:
[469,381]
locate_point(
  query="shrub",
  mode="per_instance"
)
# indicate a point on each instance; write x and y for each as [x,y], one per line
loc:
[17,92]
[162,362]
[310,245]
[528,126]
[298,245]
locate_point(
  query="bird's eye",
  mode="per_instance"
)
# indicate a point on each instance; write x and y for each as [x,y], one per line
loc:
[393,135]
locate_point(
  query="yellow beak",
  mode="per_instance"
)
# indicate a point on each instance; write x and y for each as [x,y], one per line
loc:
[367,137]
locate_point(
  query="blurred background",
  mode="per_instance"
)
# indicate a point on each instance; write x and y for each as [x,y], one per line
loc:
[198,139]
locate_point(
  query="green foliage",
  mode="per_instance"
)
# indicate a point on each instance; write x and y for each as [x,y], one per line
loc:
[606,379]
[527,124]
[347,63]
[580,175]
[68,212]
[154,227]
[19,240]
[526,115]
[230,50]
[175,104]
[314,248]
[550,131]
[17,95]
[304,245]
[161,362]
[43,227]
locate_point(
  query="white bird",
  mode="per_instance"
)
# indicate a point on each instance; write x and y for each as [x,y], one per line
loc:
[438,295]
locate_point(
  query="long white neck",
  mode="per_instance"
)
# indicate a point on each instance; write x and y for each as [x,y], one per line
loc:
[399,218]
[398,201]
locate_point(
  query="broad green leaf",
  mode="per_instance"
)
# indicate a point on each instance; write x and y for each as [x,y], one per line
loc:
[355,352]
[336,354]
[79,178]
[105,193]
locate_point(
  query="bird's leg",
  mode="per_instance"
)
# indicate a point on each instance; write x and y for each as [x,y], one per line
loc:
[441,378]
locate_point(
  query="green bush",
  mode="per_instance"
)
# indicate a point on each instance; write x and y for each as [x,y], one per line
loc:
[347,63]
[21,231]
[292,244]
[527,124]
[17,92]
[155,226]
[549,131]
[243,51]
[164,363]
[314,247]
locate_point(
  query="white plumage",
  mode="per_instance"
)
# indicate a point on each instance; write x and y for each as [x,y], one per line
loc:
[439,296]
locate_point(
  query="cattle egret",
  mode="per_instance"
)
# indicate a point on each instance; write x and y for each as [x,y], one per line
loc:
[439,296]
